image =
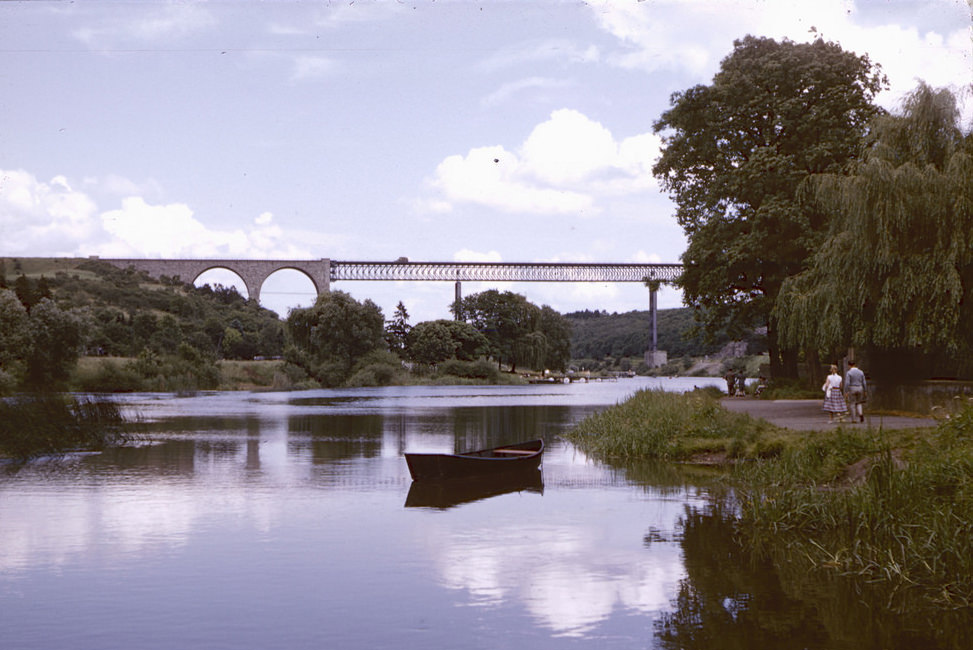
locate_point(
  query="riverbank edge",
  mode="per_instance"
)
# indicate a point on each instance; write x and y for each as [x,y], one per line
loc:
[886,509]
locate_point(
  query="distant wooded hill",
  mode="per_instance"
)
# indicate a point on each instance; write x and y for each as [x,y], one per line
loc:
[597,334]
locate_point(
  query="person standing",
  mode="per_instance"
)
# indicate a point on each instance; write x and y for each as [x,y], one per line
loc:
[856,391]
[730,378]
[834,401]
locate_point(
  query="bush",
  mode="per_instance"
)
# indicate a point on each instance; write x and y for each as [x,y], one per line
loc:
[479,369]
[377,368]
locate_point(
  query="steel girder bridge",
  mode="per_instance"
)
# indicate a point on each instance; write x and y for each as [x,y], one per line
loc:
[651,275]
[504,271]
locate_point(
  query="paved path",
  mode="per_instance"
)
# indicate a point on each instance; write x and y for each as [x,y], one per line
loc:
[807,415]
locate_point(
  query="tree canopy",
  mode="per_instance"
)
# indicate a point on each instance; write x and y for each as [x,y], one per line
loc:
[896,271]
[734,154]
[518,331]
[333,334]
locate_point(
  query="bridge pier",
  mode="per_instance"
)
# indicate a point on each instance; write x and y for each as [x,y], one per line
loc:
[654,357]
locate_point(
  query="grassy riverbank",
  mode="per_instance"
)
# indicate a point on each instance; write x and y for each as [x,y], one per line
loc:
[890,511]
[189,372]
[38,425]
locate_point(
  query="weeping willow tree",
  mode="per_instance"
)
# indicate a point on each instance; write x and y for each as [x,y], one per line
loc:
[895,274]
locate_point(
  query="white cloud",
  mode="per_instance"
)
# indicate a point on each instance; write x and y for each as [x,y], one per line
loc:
[642,257]
[49,216]
[563,167]
[53,218]
[492,176]
[150,23]
[561,50]
[172,230]
[508,91]
[694,36]
[467,255]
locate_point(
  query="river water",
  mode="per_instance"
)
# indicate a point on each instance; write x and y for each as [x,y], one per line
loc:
[289,520]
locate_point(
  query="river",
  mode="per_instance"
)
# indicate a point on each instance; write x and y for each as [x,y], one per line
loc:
[289,520]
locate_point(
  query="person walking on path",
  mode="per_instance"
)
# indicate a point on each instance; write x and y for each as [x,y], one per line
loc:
[856,391]
[834,401]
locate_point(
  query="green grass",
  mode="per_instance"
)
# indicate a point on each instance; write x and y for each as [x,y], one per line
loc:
[891,511]
[655,424]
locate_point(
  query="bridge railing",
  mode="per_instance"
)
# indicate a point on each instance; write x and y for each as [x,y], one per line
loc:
[504,271]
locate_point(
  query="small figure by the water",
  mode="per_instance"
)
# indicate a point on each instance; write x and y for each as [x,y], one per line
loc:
[834,401]
[856,391]
[730,378]
[761,386]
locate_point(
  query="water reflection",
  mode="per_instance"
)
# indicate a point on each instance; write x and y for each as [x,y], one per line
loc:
[277,520]
[449,493]
[735,597]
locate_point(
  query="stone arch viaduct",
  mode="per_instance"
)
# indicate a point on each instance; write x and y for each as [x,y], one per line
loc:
[324,271]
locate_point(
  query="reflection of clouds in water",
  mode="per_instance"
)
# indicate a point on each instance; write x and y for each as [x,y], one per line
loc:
[53,526]
[569,578]
[51,529]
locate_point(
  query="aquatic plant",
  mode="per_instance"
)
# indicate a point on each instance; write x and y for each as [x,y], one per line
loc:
[37,425]
[666,425]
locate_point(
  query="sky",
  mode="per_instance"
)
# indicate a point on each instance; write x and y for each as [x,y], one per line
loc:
[437,131]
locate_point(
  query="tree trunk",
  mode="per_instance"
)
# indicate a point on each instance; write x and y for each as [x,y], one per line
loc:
[814,374]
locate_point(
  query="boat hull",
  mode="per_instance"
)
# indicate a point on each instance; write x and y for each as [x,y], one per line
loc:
[496,461]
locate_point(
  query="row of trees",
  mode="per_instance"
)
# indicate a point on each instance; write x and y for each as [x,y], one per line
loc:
[168,328]
[811,212]
[339,336]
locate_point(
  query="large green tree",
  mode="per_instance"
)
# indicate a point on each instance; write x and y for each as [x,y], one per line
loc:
[56,336]
[518,331]
[15,340]
[895,275]
[333,334]
[734,154]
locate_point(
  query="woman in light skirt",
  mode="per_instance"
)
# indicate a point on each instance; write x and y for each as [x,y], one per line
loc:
[834,401]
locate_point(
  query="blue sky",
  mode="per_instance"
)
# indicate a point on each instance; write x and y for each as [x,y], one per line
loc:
[493,131]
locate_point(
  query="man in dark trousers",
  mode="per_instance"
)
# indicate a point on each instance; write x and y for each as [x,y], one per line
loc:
[856,391]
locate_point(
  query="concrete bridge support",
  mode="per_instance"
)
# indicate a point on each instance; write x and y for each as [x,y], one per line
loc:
[654,358]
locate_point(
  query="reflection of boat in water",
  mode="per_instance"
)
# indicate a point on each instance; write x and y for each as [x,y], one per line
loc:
[484,462]
[453,492]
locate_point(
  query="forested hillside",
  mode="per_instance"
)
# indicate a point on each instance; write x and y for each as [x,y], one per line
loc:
[151,334]
[597,334]
[126,311]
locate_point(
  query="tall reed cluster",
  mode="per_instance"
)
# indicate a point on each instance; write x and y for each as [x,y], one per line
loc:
[47,424]
[670,426]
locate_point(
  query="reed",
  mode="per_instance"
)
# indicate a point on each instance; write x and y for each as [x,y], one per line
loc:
[871,510]
[655,424]
[38,425]
[890,510]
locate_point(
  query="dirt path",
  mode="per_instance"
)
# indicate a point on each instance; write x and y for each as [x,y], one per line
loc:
[807,415]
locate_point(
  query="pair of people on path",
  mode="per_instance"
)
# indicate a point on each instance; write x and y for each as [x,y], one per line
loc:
[854,392]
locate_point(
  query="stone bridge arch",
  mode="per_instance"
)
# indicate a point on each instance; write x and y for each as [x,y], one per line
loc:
[252,272]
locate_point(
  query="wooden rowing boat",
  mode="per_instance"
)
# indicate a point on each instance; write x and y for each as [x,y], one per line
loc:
[520,457]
